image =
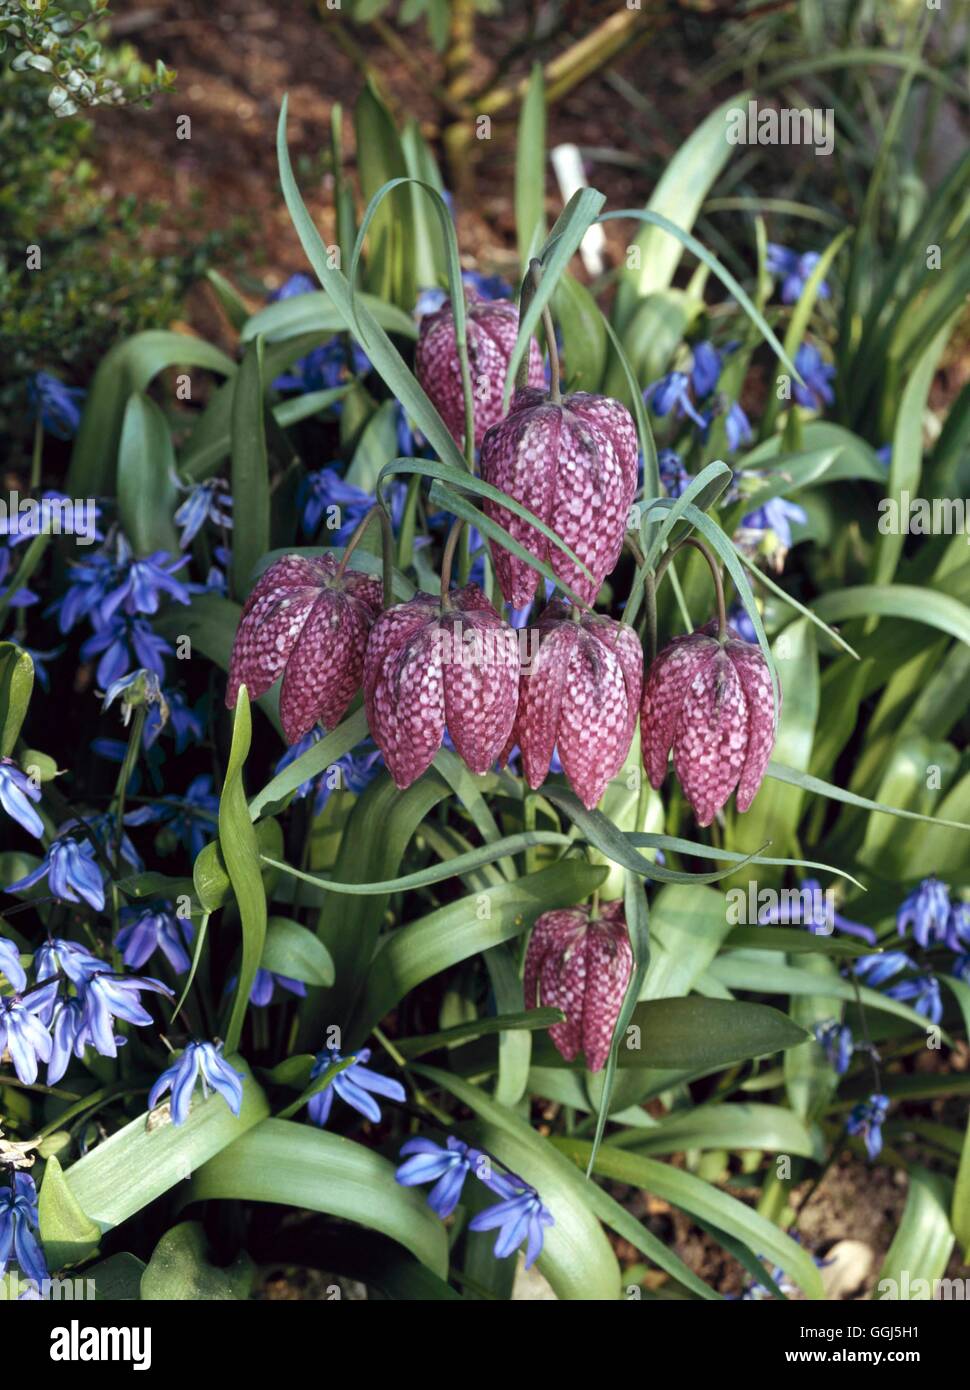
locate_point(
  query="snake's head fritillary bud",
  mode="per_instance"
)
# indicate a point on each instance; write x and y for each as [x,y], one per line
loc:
[580,964]
[311,624]
[492,329]
[428,668]
[574,465]
[579,694]
[712,703]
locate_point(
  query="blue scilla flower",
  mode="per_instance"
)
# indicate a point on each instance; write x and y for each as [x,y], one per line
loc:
[958,926]
[446,1167]
[10,965]
[706,369]
[124,643]
[927,911]
[89,582]
[104,827]
[925,994]
[816,373]
[199,1062]
[69,1037]
[356,1085]
[107,997]
[324,489]
[353,772]
[57,955]
[151,928]
[326,367]
[742,624]
[673,474]
[788,913]
[670,393]
[17,791]
[21,598]
[144,582]
[520,1217]
[793,268]
[208,501]
[296,285]
[264,987]
[836,1041]
[55,404]
[960,967]
[737,427]
[776,515]
[72,873]
[186,723]
[19,1221]
[876,970]
[138,688]
[192,817]
[867,1119]
[485,286]
[24,1022]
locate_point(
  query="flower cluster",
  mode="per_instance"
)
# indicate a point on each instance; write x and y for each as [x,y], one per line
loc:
[72,1005]
[520,1217]
[19,1221]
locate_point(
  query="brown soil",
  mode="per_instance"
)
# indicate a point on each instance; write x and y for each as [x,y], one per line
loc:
[235,60]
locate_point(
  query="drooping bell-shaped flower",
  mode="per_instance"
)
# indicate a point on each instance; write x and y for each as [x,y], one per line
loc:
[430,666]
[573,464]
[492,327]
[579,694]
[580,962]
[309,622]
[710,701]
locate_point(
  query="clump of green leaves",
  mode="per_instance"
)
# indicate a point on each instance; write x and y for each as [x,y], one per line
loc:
[96,281]
[63,42]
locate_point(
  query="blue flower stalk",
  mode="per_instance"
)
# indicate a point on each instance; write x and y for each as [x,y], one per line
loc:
[867,1119]
[520,1218]
[19,1221]
[446,1167]
[201,1061]
[356,1085]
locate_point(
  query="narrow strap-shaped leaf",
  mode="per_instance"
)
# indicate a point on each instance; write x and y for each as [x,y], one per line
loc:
[240,853]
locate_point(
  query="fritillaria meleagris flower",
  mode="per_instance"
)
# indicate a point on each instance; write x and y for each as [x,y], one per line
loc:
[492,329]
[574,465]
[580,963]
[712,703]
[429,667]
[579,694]
[311,624]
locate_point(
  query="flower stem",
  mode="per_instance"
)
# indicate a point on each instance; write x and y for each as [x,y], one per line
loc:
[447,560]
[387,547]
[124,776]
[715,575]
[535,269]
